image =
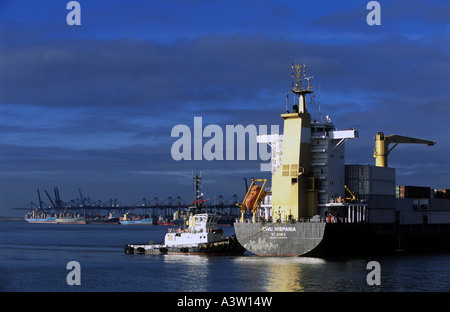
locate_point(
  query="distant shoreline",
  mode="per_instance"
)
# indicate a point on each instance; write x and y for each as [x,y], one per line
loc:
[14,219]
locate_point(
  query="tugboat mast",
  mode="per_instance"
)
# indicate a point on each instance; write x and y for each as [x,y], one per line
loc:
[196,206]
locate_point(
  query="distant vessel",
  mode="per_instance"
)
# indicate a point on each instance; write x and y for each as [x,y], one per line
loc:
[318,206]
[165,221]
[202,236]
[133,219]
[226,220]
[39,216]
[101,220]
[33,217]
[70,219]
[41,220]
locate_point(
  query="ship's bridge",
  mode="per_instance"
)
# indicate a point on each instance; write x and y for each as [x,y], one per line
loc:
[203,221]
[328,159]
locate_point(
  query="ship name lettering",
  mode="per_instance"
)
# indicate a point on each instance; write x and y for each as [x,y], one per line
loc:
[280,229]
[287,229]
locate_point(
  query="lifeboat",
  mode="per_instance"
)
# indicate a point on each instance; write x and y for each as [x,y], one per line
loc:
[253,195]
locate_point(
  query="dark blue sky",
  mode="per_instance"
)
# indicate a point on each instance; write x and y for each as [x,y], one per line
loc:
[93,106]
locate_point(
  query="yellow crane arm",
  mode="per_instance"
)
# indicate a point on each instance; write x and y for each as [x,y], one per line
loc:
[353,198]
[382,149]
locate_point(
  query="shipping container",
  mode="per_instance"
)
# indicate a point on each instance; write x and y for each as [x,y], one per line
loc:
[413,217]
[376,187]
[404,204]
[439,204]
[381,215]
[442,193]
[421,204]
[439,217]
[413,192]
[369,172]
[380,201]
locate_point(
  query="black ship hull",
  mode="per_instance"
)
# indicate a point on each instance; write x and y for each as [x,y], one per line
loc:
[103,221]
[229,246]
[339,239]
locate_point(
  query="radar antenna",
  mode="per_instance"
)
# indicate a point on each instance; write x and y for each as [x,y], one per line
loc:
[299,74]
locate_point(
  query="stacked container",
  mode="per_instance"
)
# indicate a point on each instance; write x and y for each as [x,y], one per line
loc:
[376,186]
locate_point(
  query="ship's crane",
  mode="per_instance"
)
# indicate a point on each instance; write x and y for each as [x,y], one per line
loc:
[353,196]
[382,149]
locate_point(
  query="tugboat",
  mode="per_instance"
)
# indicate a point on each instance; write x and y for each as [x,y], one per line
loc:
[201,237]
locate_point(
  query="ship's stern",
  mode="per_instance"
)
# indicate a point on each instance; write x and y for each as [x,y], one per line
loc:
[280,239]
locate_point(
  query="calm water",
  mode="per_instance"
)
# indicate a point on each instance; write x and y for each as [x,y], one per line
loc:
[33,257]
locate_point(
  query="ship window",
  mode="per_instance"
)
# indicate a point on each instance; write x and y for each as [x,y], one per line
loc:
[285,172]
[294,170]
[293,181]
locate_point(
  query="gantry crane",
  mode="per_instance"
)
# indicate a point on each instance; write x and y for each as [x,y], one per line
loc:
[382,149]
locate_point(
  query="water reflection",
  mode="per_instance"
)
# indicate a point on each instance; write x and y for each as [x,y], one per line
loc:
[282,274]
[191,273]
[250,273]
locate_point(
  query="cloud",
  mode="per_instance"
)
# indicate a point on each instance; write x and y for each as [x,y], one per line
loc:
[95,110]
[213,70]
[406,18]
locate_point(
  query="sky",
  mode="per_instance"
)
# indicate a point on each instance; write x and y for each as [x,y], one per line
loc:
[92,106]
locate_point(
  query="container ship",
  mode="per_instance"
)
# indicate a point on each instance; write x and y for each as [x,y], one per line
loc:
[39,217]
[317,205]
[133,219]
[70,219]
[34,217]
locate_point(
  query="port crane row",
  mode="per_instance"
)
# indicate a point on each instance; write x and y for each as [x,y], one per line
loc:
[155,207]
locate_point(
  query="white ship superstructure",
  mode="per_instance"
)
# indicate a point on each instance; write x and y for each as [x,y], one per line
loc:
[327,160]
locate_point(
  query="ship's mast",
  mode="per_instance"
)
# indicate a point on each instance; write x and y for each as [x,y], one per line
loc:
[294,188]
[196,206]
[299,73]
[198,190]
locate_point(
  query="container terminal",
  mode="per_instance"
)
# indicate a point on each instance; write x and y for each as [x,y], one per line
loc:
[84,210]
